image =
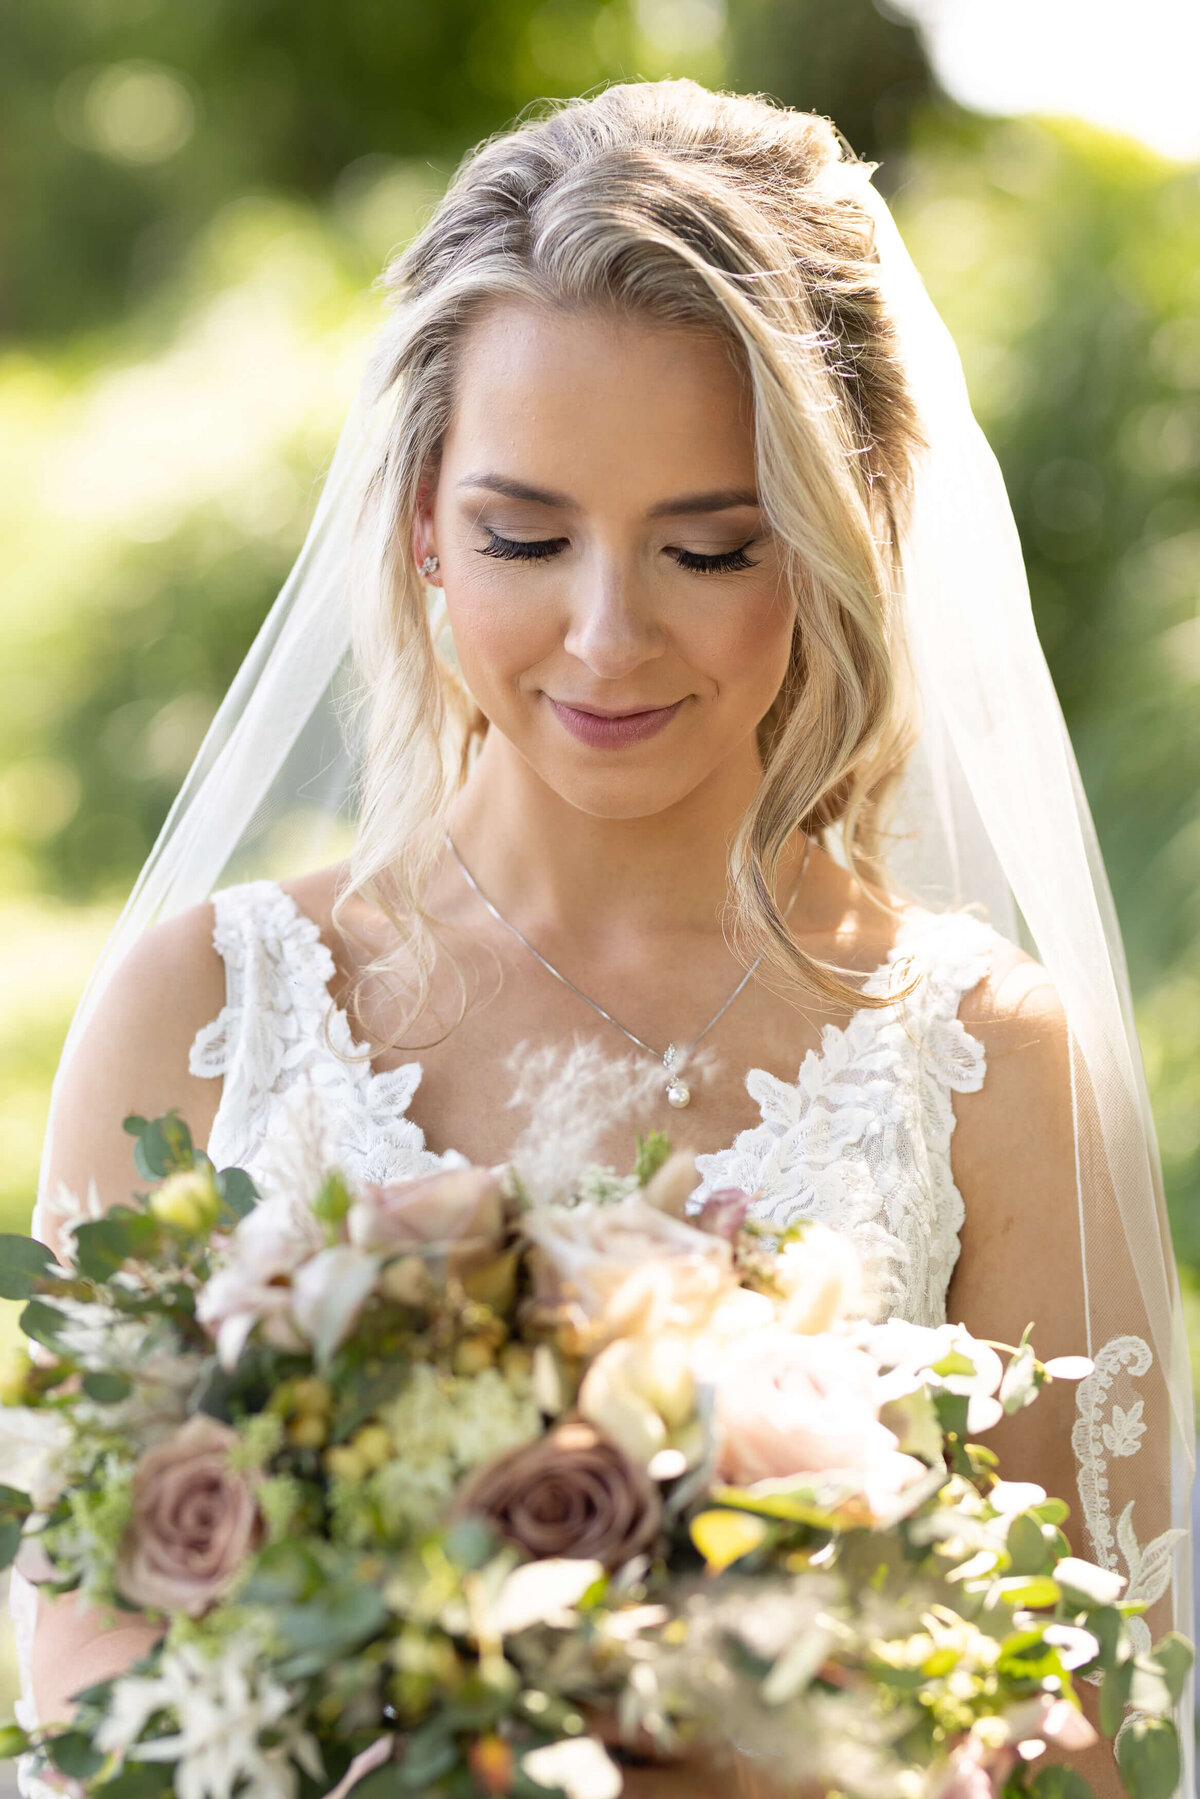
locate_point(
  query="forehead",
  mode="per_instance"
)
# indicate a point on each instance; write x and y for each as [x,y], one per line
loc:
[602,395]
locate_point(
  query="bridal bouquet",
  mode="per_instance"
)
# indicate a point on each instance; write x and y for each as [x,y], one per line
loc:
[421,1479]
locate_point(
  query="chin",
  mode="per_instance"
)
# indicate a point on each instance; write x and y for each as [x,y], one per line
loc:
[620,795]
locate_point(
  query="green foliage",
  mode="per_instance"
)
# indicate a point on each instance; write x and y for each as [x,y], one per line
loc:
[163,1145]
[1148,1757]
[23,1261]
[652,1151]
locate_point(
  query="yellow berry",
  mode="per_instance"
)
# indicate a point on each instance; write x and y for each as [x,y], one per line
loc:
[473,1355]
[307,1431]
[373,1445]
[311,1395]
[345,1463]
[187,1202]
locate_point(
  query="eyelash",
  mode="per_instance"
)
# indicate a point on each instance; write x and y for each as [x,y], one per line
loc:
[539,550]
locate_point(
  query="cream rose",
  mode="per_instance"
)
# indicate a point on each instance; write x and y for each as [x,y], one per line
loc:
[628,1268]
[640,1391]
[790,1405]
[195,1521]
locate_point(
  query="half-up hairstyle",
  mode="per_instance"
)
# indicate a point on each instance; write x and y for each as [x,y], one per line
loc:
[721,211]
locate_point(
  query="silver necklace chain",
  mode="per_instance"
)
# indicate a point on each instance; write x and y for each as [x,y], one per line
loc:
[678,1094]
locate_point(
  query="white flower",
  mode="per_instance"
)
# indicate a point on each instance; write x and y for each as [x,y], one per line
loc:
[224,1704]
[328,1294]
[66,1211]
[254,1284]
[822,1280]
[578,1766]
[34,1448]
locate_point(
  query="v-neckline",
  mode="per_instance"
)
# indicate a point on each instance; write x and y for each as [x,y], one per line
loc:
[833,1036]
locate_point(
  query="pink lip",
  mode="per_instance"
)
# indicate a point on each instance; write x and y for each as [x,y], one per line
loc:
[610,732]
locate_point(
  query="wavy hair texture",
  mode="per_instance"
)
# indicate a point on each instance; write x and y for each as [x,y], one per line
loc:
[721,211]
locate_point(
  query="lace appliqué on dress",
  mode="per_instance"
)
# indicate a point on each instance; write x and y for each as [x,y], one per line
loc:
[271,1033]
[861,1138]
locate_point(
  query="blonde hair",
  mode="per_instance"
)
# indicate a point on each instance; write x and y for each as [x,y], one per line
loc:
[714,210]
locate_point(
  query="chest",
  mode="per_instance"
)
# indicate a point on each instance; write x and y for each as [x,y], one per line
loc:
[505,1047]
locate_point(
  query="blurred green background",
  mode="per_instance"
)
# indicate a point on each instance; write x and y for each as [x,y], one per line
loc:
[196,202]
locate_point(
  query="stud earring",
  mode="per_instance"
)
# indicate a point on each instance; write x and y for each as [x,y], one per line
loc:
[430,565]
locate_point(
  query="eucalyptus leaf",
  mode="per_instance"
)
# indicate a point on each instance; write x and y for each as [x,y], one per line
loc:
[43,1323]
[1148,1758]
[137,1780]
[23,1262]
[237,1190]
[1027,1548]
[1060,1783]
[1114,1692]
[10,1541]
[103,1245]
[1029,1589]
[164,1146]
[1175,1656]
[73,1755]
[107,1389]
[380,1783]
[427,1756]
[1148,1689]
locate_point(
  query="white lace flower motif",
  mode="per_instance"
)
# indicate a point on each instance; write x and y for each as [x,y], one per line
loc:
[1124,1434]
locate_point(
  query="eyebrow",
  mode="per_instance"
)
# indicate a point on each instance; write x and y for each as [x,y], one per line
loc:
[720,499]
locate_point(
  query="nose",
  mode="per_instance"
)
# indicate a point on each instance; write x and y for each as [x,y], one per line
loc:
[613,628]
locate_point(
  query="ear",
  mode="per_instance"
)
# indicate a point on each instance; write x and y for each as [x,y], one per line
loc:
[422,531]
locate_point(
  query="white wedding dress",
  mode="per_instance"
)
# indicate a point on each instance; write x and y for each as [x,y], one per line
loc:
[860,1139]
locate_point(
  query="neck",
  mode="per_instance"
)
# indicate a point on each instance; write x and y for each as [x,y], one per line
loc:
[547,866]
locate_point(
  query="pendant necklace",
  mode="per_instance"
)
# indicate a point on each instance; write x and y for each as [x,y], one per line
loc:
[678,1093]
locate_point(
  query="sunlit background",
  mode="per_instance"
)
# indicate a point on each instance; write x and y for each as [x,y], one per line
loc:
[196,203]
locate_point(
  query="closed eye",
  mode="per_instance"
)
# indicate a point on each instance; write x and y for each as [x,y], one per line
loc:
[510,550]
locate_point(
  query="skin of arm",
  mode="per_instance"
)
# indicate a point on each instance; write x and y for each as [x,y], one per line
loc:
[133,1057]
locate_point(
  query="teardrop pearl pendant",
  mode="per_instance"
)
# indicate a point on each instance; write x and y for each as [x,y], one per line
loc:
[678,1094]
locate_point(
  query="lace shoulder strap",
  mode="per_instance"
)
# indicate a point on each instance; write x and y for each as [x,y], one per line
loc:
[277,970]
[951,952]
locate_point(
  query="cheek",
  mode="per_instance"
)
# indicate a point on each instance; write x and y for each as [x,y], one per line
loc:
[496,637]
[745,646]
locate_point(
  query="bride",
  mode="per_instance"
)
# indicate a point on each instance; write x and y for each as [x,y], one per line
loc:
[649,425]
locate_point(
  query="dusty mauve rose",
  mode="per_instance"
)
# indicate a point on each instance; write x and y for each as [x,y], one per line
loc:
[724,1212]
[194,1522]
[796,1405]
[457,1211]
[570,1493]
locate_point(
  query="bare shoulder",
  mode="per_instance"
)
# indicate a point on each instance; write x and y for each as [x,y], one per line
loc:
[1013,1147]
[133,1055]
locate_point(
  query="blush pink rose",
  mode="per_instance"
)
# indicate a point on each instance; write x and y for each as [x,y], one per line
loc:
[458,1211]
[195,1521]
[788,1405]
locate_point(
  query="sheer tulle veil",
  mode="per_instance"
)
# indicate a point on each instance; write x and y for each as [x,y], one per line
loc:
[990,811]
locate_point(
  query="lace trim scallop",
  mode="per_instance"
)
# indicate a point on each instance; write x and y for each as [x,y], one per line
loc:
[861,1138]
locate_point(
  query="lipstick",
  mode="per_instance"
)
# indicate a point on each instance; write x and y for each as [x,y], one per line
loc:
[611,733]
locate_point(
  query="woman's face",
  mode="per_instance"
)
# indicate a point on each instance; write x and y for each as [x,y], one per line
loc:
[613,591]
